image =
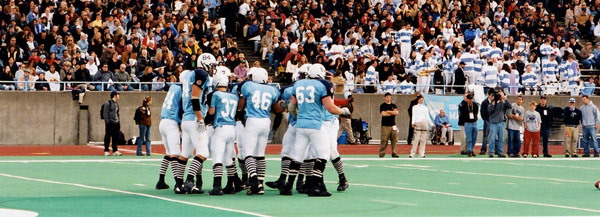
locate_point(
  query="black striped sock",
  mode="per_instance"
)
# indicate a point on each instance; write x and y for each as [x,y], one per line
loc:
[293,171]
[179,171]
[164,165]
[338,164]
[307,167]
[243,166]
[218,170]
[319,168]
[250,166]
[285,165]
[195,168]
[234,166]
[231,170]
[261,168]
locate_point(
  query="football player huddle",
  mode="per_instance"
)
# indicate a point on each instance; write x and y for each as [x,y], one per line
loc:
[214,115]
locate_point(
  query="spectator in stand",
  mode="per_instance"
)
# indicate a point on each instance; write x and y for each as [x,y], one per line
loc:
[26,82]
[42,84]
[460,78]
[547,116]
[6,76]
[121,75]
[572,121]
[590,123]
[104,76]
[589,87]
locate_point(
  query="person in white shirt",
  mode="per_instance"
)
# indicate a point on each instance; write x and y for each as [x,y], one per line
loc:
[421,123]
[244,8]
[390,85]
[406,86]
[53,77]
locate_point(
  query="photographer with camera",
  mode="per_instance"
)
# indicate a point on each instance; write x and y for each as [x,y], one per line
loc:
[497,111]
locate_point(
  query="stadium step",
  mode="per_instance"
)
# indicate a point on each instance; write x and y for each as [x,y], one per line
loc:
[247,48]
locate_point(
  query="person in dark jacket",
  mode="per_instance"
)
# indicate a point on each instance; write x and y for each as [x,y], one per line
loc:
[486,124]
[546,114]
[460,79]
[112,122]
[467,115]
[143,118]
[572,122]
[497,121]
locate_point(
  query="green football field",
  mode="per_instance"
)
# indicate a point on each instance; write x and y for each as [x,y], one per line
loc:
[437,186]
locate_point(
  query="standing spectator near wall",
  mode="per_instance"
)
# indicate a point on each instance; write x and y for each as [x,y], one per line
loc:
[590,123]
[531,134]
[486,124]
[497,111]
[112,123]
[389,130]
[143,118]
[515,122]
[572,122]
[346,120]
[410,115]
[421,123]
[546,114]
[468,115]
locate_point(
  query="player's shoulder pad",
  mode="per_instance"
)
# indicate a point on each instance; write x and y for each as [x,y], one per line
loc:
[286,87]
[201,77]
[328,86]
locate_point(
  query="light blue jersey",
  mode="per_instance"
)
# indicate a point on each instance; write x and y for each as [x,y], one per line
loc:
[259,99]
[225,105]
[308,93]
[172,104]
[286,95]
[189,78]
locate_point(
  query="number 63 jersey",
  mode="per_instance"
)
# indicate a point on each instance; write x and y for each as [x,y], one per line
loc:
[259,99]
[308,93]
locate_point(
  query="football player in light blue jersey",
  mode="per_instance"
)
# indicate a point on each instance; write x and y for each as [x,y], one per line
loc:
[170,117]
[194,85]
[290,135]
[223,107]
[312,97]
[332,125]
[257,99]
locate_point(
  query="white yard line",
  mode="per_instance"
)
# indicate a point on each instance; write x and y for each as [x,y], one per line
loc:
[394,203]
[487,174]
[556,166]
[478,197]
[133,193]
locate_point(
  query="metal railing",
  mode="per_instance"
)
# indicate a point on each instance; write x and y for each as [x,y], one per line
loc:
[553,88]
[104,86]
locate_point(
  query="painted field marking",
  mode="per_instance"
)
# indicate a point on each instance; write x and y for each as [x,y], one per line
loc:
[412,165]
[141,185]
[123,149]
[453,183]
[556,166]
[394,203]
[134,193]
[17,213]
[478,197]
[488,174]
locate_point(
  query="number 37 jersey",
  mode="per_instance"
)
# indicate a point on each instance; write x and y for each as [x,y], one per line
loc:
[225,105]
[259,99]
[308,93]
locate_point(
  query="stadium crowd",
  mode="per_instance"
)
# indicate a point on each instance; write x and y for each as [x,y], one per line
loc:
[396,46]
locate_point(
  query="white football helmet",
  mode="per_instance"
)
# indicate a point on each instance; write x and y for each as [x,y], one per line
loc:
[302,70]
[317,71]
[222,70]
[259,75]
[220,81]
[206,61]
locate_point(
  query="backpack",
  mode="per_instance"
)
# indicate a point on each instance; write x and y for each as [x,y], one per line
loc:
[102,108]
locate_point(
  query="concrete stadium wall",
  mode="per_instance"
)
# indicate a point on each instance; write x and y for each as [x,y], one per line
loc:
[53,118]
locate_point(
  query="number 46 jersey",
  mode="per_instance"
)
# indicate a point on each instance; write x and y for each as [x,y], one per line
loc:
[259,99]
[225,105]
[308,93]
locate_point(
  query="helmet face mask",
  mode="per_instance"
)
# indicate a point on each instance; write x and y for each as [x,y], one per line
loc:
[303,70]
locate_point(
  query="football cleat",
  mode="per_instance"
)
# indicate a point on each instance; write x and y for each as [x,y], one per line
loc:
[319,190]
[216,192]
[196,190]
[179,190]
[343,185]
[162,185]
[229,189]
[275,185]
